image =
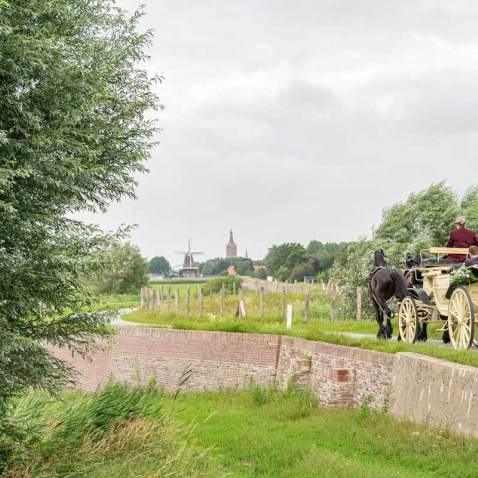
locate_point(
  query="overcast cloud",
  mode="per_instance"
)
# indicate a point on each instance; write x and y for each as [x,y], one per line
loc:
[300,121]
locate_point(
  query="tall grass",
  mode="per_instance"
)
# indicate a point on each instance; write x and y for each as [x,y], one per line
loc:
[115,432]
[256,432]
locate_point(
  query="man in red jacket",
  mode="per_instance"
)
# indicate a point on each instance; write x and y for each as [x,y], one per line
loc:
[461,237]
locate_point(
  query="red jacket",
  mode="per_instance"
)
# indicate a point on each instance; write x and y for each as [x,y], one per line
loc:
[461,237]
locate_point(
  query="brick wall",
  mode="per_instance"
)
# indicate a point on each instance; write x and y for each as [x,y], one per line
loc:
[218,359]
[411,386]
[339,376]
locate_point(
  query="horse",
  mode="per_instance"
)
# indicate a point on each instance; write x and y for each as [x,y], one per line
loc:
[385,282]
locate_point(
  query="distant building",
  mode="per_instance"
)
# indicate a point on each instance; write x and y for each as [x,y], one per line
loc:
[231,271]
[189,268]
[231,248]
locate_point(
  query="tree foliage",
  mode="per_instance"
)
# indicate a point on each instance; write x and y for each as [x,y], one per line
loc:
[424,220]
[159,265]
[245,267]
[124,272]
[73,132]
[286,255]
[325,254]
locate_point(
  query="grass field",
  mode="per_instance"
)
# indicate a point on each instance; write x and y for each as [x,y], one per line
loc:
[257,432]
[271,434]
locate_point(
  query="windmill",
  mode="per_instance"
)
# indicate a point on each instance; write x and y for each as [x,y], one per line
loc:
[189,268]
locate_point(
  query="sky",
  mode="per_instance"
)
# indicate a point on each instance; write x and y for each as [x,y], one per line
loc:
[299,121]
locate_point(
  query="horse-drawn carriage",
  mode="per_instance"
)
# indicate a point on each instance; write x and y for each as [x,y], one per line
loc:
[426,296]
[431,299]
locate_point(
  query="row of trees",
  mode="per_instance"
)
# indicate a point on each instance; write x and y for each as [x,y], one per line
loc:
[292,261]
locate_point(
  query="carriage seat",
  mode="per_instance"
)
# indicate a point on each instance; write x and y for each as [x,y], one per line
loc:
[438,261]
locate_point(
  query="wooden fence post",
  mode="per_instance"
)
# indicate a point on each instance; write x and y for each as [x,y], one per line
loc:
[277,285]
[176,300]
[210,290]
[188,301]
[256,288]
[359,304]
[332,304]
[261,308]
[201,301]
[234,288]
[154,300]
[221,301]
[146,299]
[168,303]
[307,303]
[283,301]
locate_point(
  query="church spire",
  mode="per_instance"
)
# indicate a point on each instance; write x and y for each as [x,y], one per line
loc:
[231,248]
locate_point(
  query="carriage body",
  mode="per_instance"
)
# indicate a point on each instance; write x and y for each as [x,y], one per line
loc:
[432,300]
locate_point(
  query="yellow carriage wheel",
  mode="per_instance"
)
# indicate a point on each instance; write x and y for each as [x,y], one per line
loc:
[461,319]
[408,320]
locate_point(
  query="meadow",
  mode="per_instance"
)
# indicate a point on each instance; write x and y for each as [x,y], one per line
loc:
[256,432]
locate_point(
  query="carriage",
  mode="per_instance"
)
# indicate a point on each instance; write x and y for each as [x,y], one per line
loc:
[432,300]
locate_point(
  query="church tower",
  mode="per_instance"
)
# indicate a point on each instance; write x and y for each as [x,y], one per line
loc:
[231,248]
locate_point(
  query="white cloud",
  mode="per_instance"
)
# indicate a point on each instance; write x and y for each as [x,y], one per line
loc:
[301,121]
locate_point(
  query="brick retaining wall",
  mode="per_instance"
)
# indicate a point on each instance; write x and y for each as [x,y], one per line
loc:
[218,359]
[410,385]
[340,376]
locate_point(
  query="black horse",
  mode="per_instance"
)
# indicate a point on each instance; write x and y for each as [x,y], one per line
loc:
[385,282]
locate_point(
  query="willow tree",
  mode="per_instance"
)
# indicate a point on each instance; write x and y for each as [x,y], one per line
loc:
[74,94]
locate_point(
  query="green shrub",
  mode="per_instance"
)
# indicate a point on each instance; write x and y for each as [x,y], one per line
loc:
[227,282]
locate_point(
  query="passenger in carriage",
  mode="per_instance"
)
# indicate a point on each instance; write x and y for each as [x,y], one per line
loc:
[470,263]
[460,237]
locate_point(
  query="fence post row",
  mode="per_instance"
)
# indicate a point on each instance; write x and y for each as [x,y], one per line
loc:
[153,301]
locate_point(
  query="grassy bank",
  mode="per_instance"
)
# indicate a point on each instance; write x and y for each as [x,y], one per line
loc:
[256,432]
[272,434]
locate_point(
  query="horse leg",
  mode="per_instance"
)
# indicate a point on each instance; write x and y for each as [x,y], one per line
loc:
[422,333]
[379,319]
[388,327]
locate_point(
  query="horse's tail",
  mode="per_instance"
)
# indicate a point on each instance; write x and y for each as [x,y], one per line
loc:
[400,285]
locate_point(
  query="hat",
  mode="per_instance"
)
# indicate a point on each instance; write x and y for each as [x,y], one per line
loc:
[460,220]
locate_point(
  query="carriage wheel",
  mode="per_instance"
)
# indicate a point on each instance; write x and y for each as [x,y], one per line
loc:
[408,320]
[461,319]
